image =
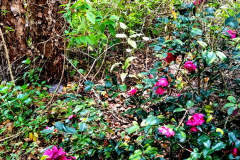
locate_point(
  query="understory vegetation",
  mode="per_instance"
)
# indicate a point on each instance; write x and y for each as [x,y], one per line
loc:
[154,80]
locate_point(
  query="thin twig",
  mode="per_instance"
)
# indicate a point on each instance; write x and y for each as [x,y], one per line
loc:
[11,137]
[83,78]
[7,56]
[184,148]
[182,119]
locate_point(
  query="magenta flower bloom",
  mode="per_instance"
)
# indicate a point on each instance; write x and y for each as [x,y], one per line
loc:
[162,82]
[47,127]
[55,154]
[166,131]
[72,116]
[178,95]
[234,152]
[169,58]
[132,92]
[160,90]
[170,49]
[189,66]
[194,129]
[232,34]
[150,76]
[196,120]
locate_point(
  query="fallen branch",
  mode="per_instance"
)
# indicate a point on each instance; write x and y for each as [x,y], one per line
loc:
[83,78]
[7,56]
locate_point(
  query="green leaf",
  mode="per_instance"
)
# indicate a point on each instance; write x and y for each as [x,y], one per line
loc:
[136,156]
[47,131]
[203,138]
[114,17]
[189,104]
[230,110]
[207,143]
[179,110]
[83,127]
[59,125]
[88,83]
[219,146]
[203,44]
[112,30]
[152,120]
[211,56]
[88,88]
[207,151]
[123,87]
[132,129]
[229,105]
[221,55]
[230,21]
[232,99]
[237,144]
[108,84]
[139,86]
[196,31]
[91,17]
[232,137]
[69,130]
[115,95]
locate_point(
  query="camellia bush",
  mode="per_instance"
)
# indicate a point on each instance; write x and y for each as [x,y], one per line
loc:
[191,112]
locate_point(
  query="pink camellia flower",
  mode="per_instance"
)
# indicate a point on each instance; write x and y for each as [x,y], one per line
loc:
[72,116]
[196,120]
[162,82]
[169,58]
[234,152]
[151,76]
[160,90]
[167,131]
[199,2]
[55,154]
[47,127]
[190,66]
[194,129]
[178,95]
[232,34]
[132,92]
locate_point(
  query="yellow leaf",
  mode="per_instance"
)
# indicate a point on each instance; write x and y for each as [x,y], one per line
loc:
[35,137]
[209,118]
[208,109]
[44,157]
[219,130]
[31,135]
[174,14]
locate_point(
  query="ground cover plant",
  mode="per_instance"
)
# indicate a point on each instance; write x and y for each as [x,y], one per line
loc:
[184,105]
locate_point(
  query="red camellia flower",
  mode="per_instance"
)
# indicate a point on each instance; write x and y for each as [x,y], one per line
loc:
[166,131]
[194,129]
[190,66]
[160,90]
[196,120]
[169,58]
[132,92]
[234,152]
